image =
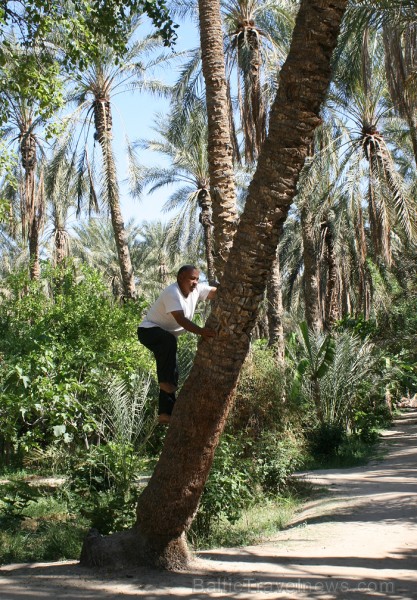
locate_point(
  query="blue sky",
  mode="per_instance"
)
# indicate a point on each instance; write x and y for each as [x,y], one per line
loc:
[133,113]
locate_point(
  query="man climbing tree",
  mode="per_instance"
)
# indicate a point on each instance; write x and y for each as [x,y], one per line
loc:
[167,506]
[167,318]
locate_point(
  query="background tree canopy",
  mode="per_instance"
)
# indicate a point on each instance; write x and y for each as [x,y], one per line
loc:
[39,38]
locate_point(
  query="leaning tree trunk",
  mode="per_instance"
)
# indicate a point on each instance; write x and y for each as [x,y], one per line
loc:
[220,145]
[168,504]
[311,279]
[275,312]
[103,125]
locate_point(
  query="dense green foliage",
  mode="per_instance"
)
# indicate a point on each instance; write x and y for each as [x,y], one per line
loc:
[58,352]
[58,37]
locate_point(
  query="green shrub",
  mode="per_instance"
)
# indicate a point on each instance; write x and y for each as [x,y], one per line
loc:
[275,461]
[227,492]
[325,439]
[58,349]
[260,403]
[102,486]
[14,500]
[102,480]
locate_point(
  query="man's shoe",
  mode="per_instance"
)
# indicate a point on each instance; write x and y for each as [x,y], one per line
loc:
[164,419]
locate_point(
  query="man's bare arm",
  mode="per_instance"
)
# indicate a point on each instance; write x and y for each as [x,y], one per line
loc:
[182,320]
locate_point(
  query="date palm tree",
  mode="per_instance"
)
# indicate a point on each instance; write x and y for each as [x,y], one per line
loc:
[168,504]
[400,45]
[24,130]
[95,90]
[156,258]
[61,193]
[256,41]
[364,102]
[220,152]
[394,24]
[258,33]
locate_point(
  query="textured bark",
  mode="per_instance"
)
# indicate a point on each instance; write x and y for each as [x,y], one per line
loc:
[32,202]
[103,124]
[275,312]
[169,502]
[61,243]
[254,116]
[364,279]
[220,145]
[204,202]
[332,301]
[311,278]
[379,163]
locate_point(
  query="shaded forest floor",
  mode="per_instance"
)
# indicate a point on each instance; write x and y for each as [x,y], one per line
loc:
[356,540]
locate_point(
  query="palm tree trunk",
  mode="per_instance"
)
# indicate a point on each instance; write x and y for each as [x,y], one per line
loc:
[168,504]
[204,202]
[364,289]
[254,117]
[61,245]
[30,221]
[220,144]
[103,124]
[275,312]
[34,234]
[311,277]
[332,301]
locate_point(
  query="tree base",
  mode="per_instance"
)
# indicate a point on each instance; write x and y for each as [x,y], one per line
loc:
[127,549]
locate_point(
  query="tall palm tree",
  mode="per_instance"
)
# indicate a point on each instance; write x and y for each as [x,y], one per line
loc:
[95,89]
[24,129]
[61,193]
[168,504]
[352,167]
[364,102]
[258,33]
[396,21]
[220,152]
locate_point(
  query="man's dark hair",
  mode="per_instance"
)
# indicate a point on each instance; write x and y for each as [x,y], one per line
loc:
[187,268]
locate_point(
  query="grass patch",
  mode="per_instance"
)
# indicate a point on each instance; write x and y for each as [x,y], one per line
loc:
[34,540]
[255,525]
[353,452]
[36,526]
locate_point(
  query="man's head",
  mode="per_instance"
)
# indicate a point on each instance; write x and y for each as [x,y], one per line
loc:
[187,278]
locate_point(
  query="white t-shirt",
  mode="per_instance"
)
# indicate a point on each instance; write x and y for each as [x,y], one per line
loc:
[159,314]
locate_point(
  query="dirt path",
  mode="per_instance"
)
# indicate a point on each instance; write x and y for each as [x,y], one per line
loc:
[359,541]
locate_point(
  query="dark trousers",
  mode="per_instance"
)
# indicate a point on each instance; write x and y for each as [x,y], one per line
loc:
[163,345]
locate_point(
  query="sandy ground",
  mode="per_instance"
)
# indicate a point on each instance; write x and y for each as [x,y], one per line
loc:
[358,541]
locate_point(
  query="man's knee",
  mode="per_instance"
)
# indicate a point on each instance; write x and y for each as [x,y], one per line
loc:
[170,388]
